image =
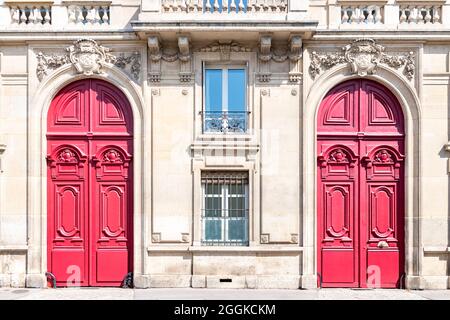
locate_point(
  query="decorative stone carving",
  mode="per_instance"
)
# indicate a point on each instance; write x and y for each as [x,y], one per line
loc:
[295,55]
[157,53]
[156,237]
[398,60]
[185,59]
[363,56]
[112,156]
[154,57]
[264,56]
[265,238]
[294,238]
[185,237]
[46,62]
[88,57]
[225,48]
[134,60]
[2,150]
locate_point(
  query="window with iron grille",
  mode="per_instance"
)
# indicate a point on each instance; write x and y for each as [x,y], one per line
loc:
[225,208]
[225,99]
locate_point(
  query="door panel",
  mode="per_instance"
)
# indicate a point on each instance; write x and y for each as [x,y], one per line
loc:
[89,185]
[112,204]
[360,199]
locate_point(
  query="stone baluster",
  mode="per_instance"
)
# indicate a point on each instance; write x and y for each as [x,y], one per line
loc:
[216,6]
[233,6]
[241,6]
[370,17]
[345,18]
[427,17]
[23,17]
[106,15]
[403,16]
[436,17]
[224,6]
[378,16]
[208,6]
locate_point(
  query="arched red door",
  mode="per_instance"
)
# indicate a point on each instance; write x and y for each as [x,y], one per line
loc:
[89,188]
[360,181]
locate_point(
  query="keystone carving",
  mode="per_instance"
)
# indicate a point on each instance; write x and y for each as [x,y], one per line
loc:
[363,56]
[225,48]
[88,58]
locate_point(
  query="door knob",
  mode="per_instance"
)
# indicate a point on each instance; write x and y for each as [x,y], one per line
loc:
[382,244]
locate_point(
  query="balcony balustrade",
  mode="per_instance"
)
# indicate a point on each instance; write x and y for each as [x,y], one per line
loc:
[419,14]
[29,15]
[224,6]
[225,122]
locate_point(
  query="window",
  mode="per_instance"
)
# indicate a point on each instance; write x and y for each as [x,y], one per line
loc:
[225,208]
[225,107]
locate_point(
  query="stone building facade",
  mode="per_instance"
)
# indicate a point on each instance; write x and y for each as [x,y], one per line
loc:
[213,110]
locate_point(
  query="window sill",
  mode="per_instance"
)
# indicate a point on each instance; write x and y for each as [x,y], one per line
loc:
[254,249]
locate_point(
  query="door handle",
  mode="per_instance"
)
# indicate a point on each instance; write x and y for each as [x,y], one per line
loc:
[382,244]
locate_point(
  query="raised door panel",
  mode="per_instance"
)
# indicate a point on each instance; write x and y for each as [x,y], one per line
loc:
[338,112]
[110,110]
[111,212]
[66,205]
[336,205]
[382,228]
[380,111]
[68,113]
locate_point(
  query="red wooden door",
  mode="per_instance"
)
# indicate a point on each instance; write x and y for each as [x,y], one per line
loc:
[89,188]
[360,181]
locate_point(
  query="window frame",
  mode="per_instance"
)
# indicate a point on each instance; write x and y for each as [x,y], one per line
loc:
[225,215]
[225,66]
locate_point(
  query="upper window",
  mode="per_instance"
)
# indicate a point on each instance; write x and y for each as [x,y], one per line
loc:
[225,107]
[225,208]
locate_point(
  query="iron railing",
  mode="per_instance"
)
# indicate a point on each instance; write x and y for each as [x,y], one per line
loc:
[226,121]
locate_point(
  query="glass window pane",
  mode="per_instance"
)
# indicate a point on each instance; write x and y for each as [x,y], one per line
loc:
[213,90]
[236,206]
[213,188]
[236,90]
[236,230]
[213,229]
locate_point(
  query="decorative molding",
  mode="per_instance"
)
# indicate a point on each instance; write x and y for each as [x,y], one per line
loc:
[156,237]
[157,53]
[184,238]
[49,62]
[2,150]
[225,48]
[88,58]
[185,57]
[264,57]
[134,60]
[267,53]
[363,56]
[265,238]
[294,237]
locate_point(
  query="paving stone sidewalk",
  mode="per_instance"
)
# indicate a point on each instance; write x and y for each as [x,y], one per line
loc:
[218,294]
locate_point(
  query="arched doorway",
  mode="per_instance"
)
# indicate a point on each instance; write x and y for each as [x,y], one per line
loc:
[89,185]
[360,187]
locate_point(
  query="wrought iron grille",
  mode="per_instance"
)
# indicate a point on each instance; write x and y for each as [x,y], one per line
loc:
[225,208]
[225,121]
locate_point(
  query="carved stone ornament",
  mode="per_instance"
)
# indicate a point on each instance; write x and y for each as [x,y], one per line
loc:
[158,53]
[280,54]
[134,60]
[88,58]
[225,48]
[363,56]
